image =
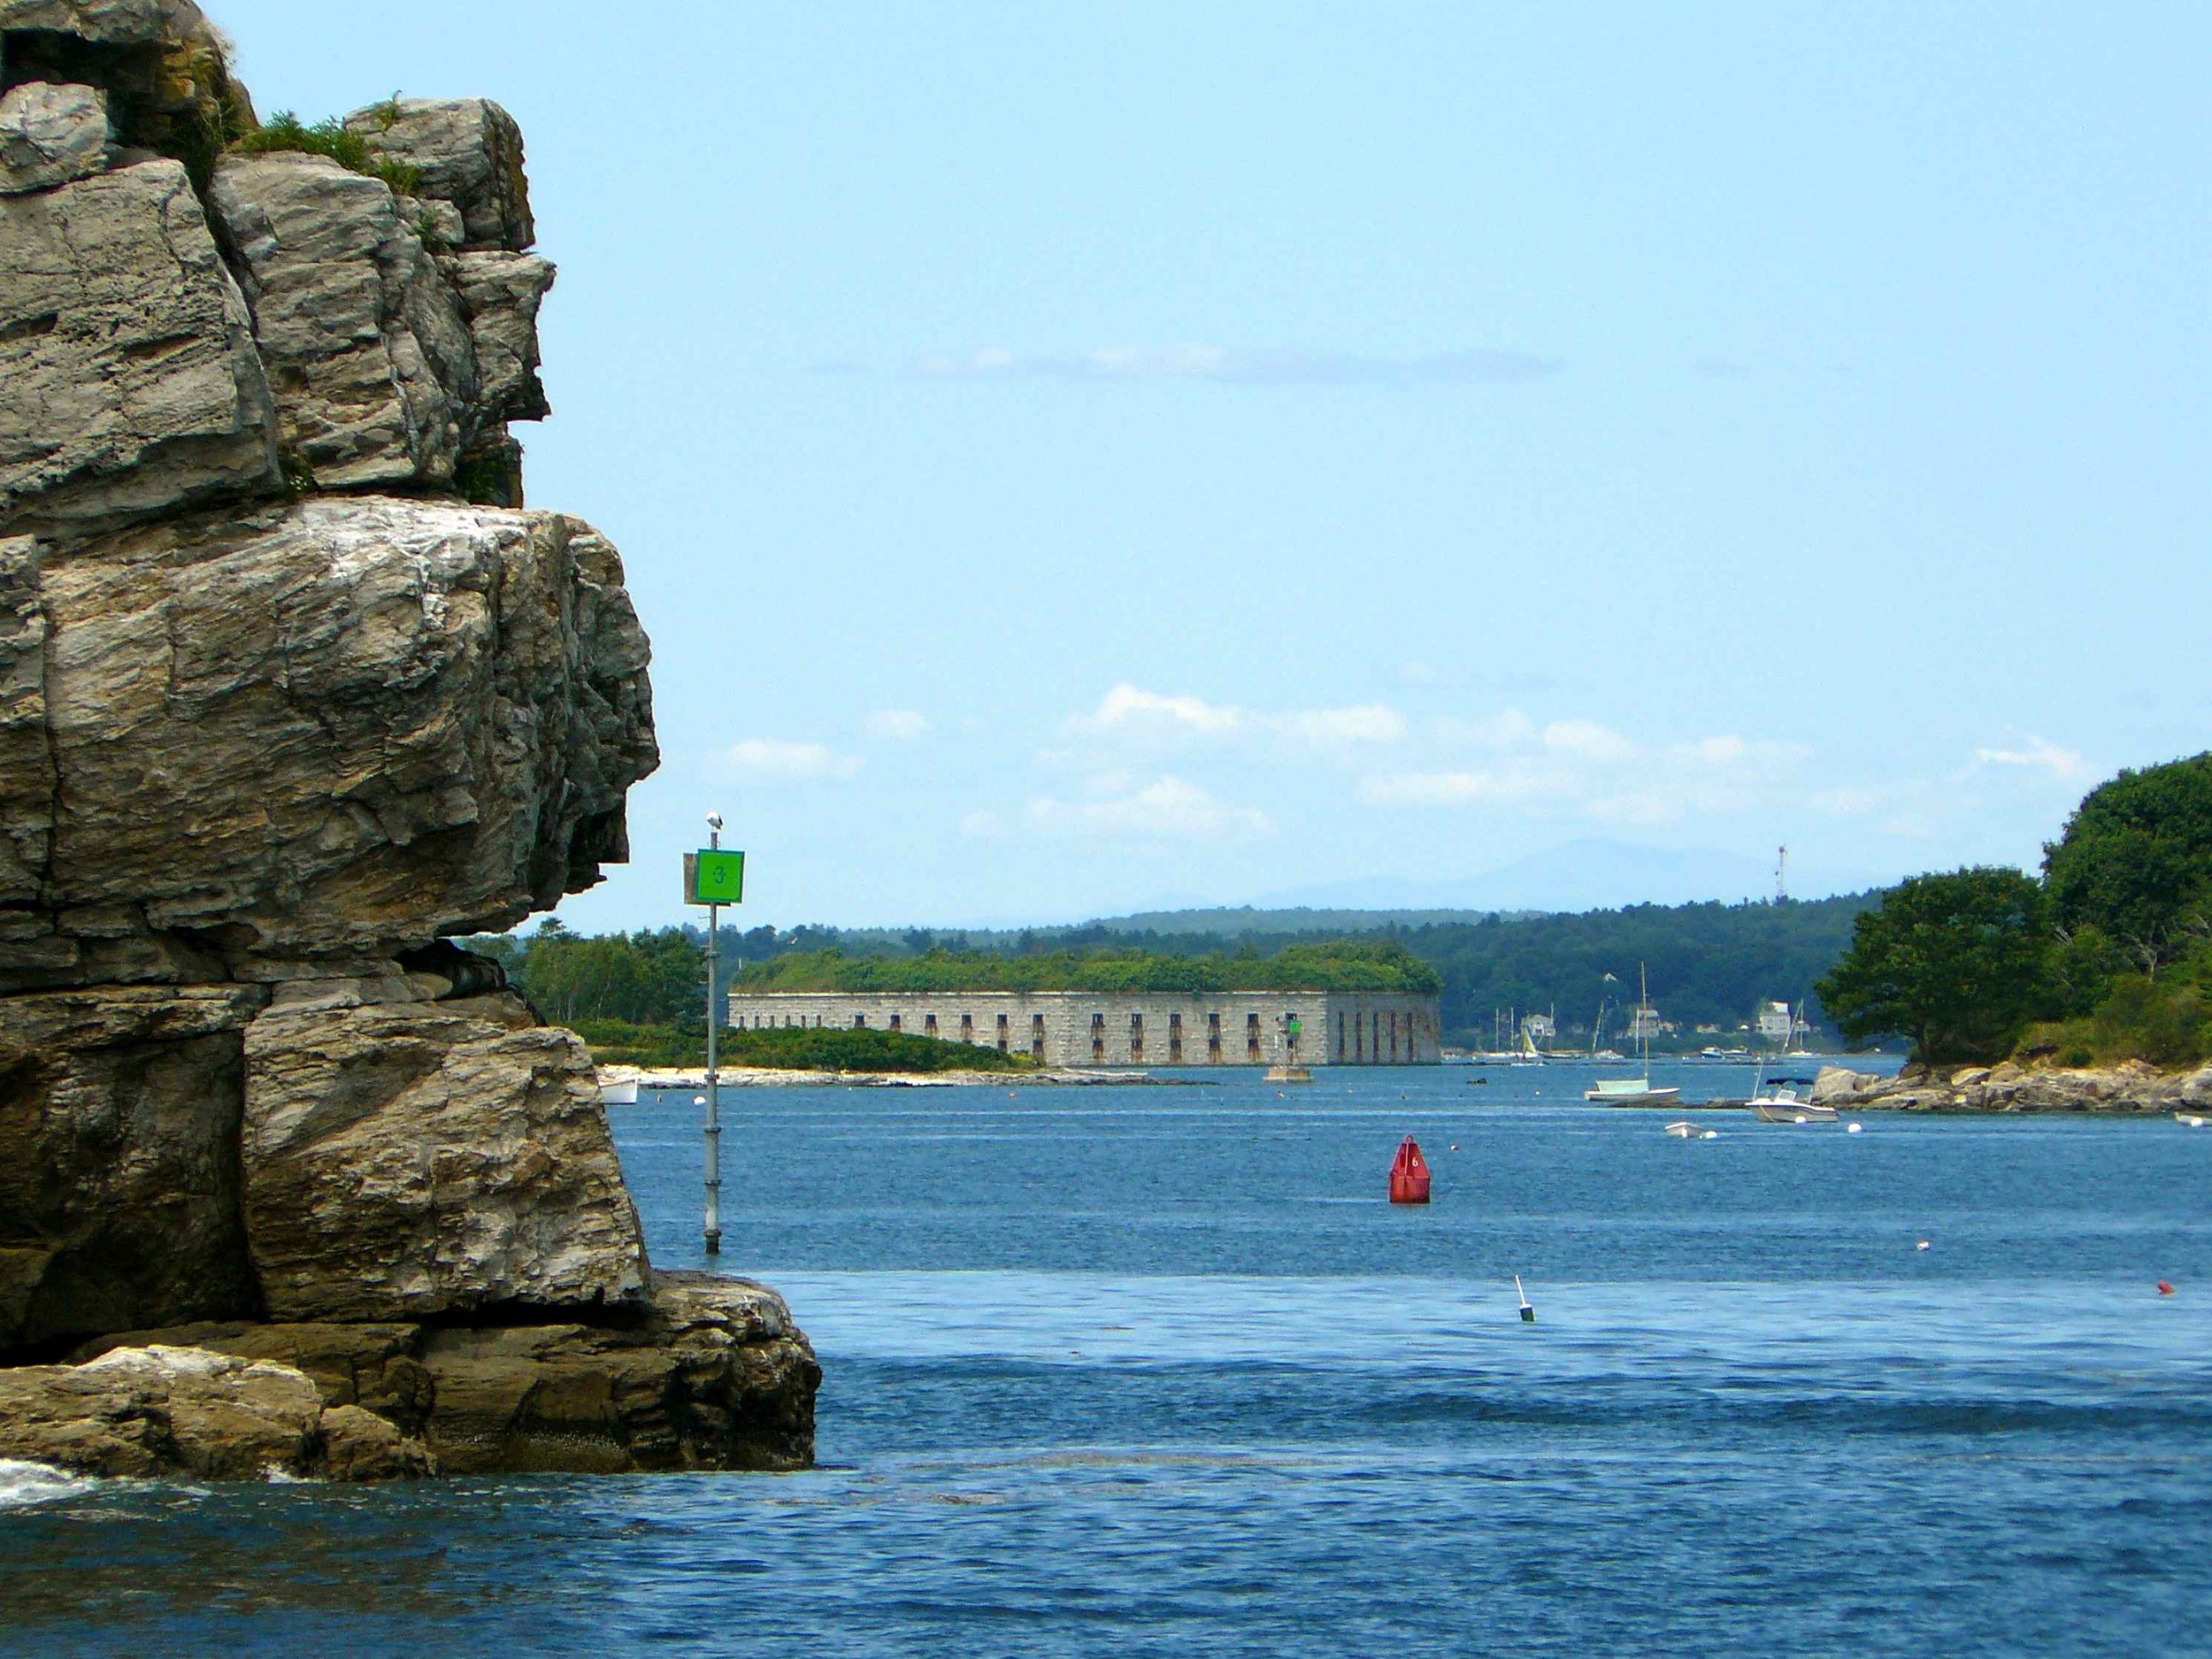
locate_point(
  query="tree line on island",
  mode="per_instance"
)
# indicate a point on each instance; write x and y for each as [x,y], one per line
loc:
[2104,957]
[641,996]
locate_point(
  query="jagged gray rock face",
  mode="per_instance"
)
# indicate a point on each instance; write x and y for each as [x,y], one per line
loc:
[367,348]
[51,135]
[298,742]
[26,764]
[502,293]
[2128,1086]
[119,1181]
[413,1162]
[279,716]
[466,151]
[714,1375]
[129,384]
[167,1410]
[106,22]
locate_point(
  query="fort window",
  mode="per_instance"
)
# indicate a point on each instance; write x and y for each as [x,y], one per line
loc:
[929,1025]
[1251,1036]
[894,1022]
[1037,1038]
[1213,1038]
[1136,1036]
[967,1028]
[1002,1038]
[1098,1036]
[860,1022]
[1340,1036]
[1174,1039]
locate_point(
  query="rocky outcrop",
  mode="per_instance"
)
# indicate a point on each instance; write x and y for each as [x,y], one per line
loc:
[293,691]
[412,1161]
[120,1184]
[465,152]
[367,347]
[164,1411]
[52,135]
[129,384]
[299,741]
[713,1375]
[2131,1086]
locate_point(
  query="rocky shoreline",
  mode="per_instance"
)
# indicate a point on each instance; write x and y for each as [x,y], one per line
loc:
[294,689]
[2131,1086]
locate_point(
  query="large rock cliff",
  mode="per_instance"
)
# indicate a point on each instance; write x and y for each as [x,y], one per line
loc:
[293,690]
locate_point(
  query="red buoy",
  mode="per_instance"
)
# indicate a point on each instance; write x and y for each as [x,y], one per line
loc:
[1409,1175]
[2165,1289]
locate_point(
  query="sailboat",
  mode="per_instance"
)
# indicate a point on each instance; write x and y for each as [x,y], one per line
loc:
[1635,1091]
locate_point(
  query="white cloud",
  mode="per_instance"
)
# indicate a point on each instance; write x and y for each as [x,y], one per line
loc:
[1585,766]
[2037,754]
[1132,713]
[770,757]
[1128,708]
[1167,809]
[897,726]
[1588,738]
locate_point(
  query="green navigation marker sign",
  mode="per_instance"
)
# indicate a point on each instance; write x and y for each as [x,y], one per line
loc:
[714,877]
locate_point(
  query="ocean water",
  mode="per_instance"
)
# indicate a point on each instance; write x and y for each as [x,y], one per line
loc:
[1157,1371]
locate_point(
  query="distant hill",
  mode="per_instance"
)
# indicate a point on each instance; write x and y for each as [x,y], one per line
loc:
[1588,874]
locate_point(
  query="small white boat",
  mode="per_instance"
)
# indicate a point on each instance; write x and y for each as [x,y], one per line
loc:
[618,1094]
[1783,1107]
[1631,1091]
[1683,1129]
[2191,1120]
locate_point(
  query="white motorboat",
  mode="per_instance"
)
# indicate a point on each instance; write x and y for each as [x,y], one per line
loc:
[1683,1129]
[623,1094]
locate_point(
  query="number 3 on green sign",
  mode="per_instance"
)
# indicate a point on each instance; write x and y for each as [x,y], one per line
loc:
[714,877]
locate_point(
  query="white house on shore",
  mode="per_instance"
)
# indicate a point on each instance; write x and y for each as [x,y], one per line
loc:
[1161,1028]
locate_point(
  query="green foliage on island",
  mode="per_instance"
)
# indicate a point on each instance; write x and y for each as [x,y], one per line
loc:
[285,131]
[623,1043]
[1336,965]
[845,1048]
[652,977]
[1955,962]
[2107,958]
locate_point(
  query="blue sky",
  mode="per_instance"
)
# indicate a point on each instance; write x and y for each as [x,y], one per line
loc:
[1074,459]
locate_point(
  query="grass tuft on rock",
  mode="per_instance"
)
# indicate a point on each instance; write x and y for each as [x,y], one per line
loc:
[285,131]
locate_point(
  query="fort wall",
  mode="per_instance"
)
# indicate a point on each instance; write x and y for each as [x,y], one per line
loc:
[1165,1028]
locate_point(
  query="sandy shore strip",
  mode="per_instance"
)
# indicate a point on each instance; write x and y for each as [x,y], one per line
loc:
[617,1077]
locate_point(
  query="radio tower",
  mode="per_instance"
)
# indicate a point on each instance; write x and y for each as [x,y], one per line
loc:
[1781,875]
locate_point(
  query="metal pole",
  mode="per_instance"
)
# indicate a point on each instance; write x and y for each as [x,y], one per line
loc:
[714,1093]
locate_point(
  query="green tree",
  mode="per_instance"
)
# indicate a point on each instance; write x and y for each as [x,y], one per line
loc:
[2135,862]
[1958,963]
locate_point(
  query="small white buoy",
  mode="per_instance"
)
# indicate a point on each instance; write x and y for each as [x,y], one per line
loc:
[1455,1145]
[1853,1130]
[698,1100]
[1710,1134]
[1921,1245]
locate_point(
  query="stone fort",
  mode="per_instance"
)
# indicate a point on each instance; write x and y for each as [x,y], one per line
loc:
[1102,1028]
